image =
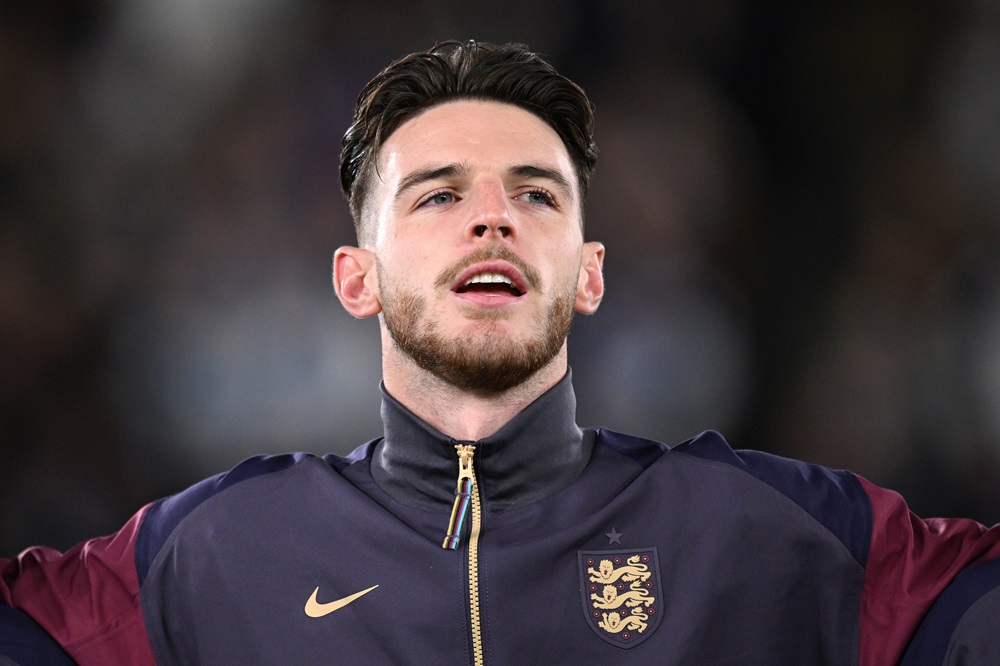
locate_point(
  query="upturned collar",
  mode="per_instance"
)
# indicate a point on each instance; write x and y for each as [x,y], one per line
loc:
[538,452]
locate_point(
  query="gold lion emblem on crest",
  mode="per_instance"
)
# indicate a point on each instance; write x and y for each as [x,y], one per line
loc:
[621,594]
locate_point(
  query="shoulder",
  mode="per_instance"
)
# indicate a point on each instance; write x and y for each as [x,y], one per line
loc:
[806,484]
[834,498]
[165,515]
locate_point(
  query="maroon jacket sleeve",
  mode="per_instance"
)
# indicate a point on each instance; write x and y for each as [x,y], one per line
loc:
[910,562]
[87,599]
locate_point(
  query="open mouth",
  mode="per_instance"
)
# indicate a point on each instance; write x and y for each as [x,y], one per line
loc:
[489,283]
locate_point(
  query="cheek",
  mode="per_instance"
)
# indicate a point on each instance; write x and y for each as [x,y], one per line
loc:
[564,260]
[410,245]
[408,265]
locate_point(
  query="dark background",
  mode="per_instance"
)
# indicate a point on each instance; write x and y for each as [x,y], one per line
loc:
[800,203]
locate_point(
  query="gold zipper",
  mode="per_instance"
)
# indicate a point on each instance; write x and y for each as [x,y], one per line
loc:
[466,499]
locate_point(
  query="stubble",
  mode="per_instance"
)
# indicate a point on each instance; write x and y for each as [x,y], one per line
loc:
[486,359]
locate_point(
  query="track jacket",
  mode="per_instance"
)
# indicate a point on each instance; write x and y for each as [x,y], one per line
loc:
[541,544]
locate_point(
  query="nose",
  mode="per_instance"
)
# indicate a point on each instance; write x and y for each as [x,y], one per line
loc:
[491,213]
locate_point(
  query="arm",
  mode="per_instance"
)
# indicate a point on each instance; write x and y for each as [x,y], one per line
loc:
[963,626]
[910,562]
[23,641]
[87,599]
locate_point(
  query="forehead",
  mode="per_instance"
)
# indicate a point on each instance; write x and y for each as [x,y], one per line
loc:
[481,134]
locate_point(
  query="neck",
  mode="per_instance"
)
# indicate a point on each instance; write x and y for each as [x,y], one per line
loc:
[459,413]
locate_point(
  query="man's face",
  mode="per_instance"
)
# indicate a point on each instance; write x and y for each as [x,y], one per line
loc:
[478,243]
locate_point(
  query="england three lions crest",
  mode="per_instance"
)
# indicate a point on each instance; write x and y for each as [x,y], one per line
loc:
[621,594]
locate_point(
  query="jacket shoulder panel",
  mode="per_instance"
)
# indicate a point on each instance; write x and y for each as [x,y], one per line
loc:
[166,514]
[835,499]
[642,451]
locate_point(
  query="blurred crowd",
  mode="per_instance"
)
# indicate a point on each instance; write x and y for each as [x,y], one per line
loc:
[801,206]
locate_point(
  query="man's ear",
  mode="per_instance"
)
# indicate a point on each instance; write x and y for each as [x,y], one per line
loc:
[356,282]
[590,288]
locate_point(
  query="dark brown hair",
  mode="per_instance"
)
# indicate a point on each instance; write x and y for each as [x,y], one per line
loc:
[452,70]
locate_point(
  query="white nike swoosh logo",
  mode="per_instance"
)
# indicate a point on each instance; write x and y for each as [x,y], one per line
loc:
[316,609]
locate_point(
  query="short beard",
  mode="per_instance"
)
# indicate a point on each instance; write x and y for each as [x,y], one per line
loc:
[488,362]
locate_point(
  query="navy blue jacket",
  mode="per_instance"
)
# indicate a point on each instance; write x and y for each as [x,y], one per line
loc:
[562,546]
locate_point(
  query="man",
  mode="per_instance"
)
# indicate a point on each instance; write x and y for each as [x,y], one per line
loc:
[485,526]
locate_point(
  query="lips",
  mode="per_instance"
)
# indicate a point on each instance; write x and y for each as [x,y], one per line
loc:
[492,280]
[490,276]
[489,282]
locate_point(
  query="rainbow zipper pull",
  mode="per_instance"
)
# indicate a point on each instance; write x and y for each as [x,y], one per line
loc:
[463,496]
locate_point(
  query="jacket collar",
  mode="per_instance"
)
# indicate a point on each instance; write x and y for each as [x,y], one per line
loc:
[539,451]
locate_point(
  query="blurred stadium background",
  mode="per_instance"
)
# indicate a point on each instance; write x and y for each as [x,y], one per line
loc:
[801,204]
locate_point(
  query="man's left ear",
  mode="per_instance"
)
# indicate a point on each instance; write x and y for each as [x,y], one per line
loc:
[590,288]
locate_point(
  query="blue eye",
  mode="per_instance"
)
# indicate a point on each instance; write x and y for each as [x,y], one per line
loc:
[538,198]
[439,199]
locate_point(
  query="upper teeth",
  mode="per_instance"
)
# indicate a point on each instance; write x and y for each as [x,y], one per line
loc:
[487,278]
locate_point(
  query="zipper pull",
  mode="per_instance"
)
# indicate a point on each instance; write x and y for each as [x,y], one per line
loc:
[463,496]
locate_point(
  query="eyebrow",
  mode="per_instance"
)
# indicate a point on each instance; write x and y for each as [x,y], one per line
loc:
[535,171]
[455,169]
[433,173]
